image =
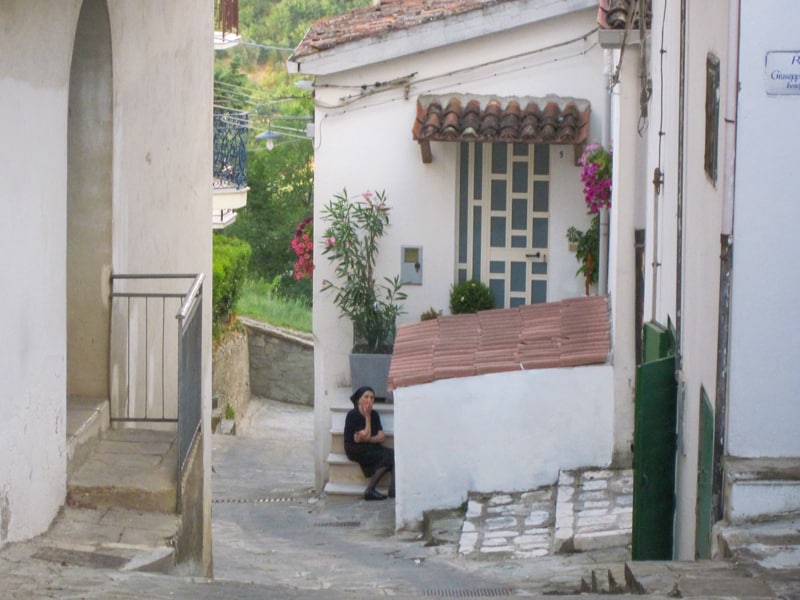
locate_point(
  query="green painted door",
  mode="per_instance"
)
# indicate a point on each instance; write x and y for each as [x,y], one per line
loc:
[654,442]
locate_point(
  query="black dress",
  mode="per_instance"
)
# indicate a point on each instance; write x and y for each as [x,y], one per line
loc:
[370,456]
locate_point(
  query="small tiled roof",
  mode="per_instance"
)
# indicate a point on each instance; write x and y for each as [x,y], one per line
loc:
[569,333]
[388,16]
[462,117]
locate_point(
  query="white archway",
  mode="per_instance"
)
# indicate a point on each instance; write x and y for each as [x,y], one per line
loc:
[89,204]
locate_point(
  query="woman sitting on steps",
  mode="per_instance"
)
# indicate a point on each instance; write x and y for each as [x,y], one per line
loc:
[363,436]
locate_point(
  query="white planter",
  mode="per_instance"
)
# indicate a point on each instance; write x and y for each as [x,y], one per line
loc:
[371,370]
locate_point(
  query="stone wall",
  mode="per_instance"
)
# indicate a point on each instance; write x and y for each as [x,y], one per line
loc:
[281,363]
[230,376]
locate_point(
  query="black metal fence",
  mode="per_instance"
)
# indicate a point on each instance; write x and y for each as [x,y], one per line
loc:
[230,152]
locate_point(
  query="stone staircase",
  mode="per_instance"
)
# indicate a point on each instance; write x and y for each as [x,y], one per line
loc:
[344,476]
[761,525]
[121,505]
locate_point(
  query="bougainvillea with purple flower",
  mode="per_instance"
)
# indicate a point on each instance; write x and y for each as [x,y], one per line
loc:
[303,246]
[596,177]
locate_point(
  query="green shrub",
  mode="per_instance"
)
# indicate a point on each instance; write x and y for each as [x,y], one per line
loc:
[430,314]
[231,257]
[470,297]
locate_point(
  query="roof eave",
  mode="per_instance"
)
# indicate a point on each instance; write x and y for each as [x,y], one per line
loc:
[434,34]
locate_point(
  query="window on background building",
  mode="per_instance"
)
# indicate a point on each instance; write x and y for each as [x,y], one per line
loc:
[712,116]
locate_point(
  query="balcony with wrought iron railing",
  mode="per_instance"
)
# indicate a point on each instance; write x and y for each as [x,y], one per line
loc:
[230,163]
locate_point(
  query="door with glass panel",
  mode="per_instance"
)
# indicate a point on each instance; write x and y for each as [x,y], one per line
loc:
[503,220]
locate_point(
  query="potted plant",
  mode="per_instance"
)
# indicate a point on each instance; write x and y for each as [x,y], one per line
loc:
[596,178]
[354,226]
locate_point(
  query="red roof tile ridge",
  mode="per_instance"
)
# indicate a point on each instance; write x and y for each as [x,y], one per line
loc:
[570,333]
[376,20]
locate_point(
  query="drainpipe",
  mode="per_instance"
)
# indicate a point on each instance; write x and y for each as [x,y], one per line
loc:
[680,194]
[602,259]
[726,258]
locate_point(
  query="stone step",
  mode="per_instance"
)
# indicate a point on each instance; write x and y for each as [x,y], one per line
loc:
[769,543]
[87,421]
[695,579]
[344,471]
[351,489]
[120,539]
[337,441]
[760,488]
[129,468]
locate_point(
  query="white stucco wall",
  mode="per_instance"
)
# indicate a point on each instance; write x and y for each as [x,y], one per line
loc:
[762,415]
[707,32]
[367,144]
[34,75]
[163,70]
[763,411]
[626,193]
[498,432]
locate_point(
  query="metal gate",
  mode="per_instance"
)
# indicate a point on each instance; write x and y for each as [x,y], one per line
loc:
[654,447]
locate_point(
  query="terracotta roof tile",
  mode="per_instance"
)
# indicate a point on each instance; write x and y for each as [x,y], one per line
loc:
[374,21]
[570,333]
[474,118]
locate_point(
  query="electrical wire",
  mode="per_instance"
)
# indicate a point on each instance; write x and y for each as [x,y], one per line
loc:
[477,70]
[342,109]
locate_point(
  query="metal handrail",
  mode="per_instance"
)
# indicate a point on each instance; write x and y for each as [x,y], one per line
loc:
[190,296]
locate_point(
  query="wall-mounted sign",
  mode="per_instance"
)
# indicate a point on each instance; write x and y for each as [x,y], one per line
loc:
[782,73]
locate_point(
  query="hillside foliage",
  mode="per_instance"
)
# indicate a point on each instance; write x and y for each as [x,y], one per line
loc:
[254,80]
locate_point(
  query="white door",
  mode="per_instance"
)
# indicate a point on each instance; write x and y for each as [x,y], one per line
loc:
[503,217]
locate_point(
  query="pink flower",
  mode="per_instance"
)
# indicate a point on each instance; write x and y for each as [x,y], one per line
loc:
[331,241]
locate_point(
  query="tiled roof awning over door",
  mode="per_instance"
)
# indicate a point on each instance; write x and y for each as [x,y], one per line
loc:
[525,120]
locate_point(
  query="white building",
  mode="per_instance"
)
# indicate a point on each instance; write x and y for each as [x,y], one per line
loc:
[700,118]
[107,169]
[729,124]
[494,211]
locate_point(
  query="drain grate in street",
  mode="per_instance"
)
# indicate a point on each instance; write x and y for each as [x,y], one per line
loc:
[80,558]
[338,524]
[470,593]
[253,500]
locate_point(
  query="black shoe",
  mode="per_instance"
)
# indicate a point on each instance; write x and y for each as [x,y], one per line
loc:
[374,495]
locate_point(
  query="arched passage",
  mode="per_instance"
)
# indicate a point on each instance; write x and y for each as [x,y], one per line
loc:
[89,204]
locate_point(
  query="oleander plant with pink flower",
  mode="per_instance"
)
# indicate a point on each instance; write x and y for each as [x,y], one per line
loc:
[354,228]
[303,247]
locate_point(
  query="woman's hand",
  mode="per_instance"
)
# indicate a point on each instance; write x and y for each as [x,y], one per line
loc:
[365,408]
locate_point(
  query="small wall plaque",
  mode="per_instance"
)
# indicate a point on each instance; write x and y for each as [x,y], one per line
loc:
[782,73]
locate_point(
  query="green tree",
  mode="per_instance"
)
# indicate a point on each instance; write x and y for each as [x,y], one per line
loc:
[281,181]
[281,195]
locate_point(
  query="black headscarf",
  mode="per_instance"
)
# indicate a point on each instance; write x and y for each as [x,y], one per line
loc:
[360,392]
